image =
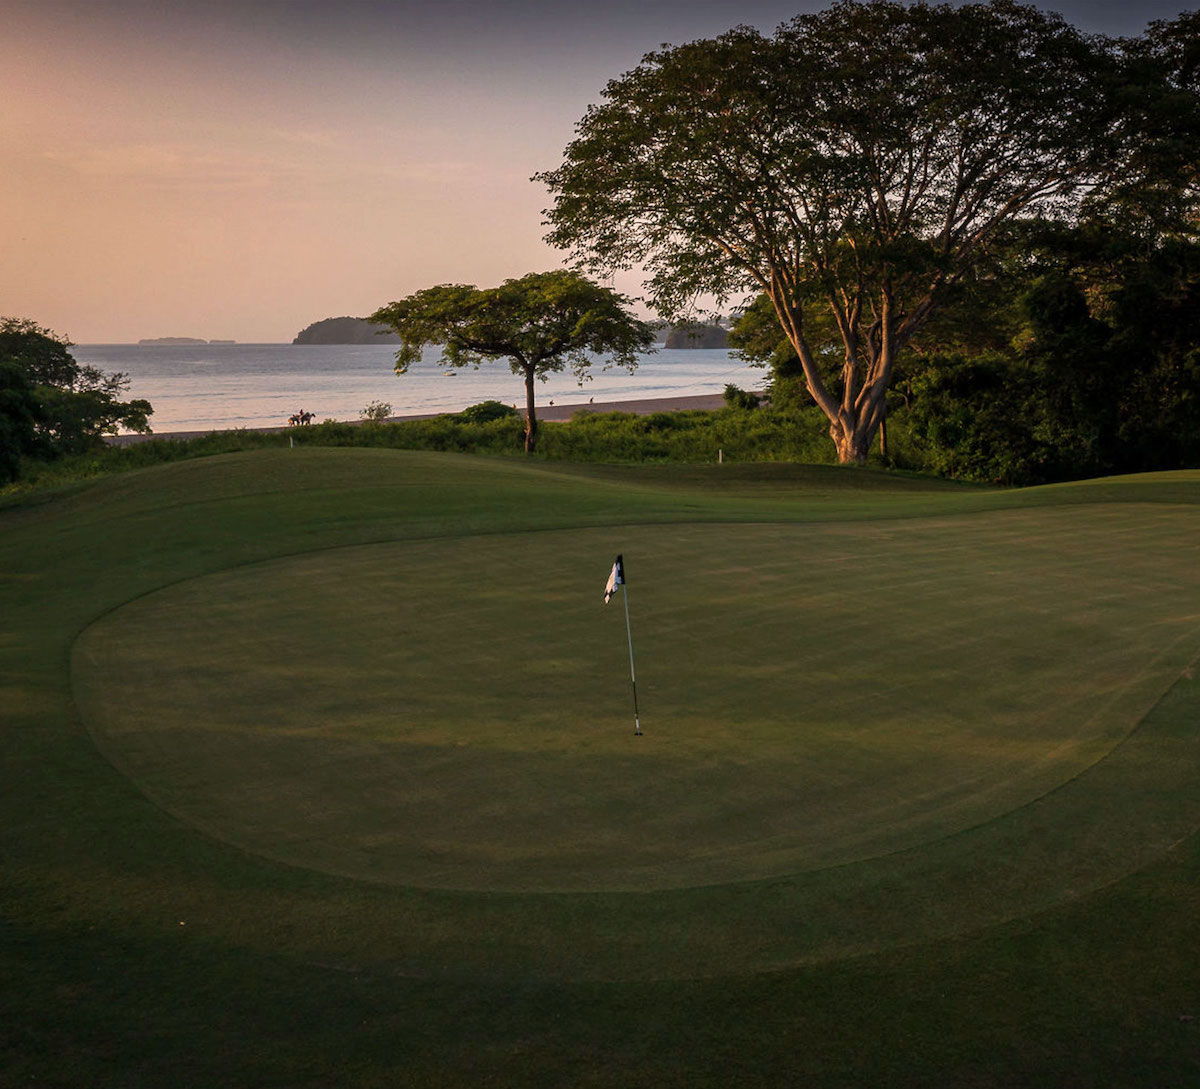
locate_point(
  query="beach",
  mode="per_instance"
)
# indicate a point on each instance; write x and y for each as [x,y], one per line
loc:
[550,412]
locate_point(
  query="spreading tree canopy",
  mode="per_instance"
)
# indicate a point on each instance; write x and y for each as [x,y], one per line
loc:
[49,403]
[856,163]
[540,323]
[1157,190]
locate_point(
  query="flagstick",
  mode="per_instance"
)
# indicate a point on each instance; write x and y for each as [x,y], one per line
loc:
[637,723]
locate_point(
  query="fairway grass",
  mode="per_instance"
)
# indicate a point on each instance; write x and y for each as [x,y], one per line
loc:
[364,713]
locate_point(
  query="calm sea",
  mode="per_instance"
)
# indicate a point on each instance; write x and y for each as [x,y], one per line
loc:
[259,385]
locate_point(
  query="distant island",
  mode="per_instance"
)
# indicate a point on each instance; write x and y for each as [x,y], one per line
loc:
[345,331]
[697,336]
[175,342]
[360,331]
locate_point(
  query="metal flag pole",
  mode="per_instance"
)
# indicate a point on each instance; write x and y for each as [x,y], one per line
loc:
[637,722]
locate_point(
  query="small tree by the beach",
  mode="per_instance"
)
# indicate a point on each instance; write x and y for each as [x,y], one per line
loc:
[52,405]
[376,412]
[541,323]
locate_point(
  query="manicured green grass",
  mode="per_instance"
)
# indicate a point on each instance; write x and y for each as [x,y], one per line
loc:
[320,770]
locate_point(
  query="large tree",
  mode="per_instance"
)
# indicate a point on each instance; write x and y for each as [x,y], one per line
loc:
[541,323]
[857,162]
[49,403]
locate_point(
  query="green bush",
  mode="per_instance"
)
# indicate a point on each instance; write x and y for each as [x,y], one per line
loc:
[486,411]
[736,397]
[376,412]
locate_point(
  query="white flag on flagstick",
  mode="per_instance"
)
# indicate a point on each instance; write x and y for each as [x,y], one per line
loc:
[615,579]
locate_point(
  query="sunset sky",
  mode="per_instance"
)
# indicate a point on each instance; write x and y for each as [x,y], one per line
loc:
[239,170]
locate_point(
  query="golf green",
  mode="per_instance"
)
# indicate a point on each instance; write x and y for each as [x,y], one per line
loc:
[822,704]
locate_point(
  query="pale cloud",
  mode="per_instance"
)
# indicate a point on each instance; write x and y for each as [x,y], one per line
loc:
[198,167]
[305,137]
[171,165]
[441,171]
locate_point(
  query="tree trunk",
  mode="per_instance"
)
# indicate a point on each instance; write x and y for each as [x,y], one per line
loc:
[530,413]
[855,416]
[852,443]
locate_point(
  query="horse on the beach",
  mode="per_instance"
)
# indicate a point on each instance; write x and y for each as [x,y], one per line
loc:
[300,419]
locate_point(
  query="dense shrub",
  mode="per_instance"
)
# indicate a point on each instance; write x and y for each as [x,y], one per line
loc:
[736,397]
[486,411]
[971,419]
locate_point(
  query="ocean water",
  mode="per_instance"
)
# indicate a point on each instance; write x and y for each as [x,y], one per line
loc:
[218,386]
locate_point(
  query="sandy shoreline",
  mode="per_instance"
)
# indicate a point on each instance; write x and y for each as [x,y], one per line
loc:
[550,411]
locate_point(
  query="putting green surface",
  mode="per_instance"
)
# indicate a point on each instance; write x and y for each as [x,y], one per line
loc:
[457,714]
[856,734]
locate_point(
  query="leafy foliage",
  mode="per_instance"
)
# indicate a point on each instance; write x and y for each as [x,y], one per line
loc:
[969,419]
[19,413]
[541,323]
[1158,82]
[376,412]
[51,405]
[486,411]
[736,397]
[1102,373]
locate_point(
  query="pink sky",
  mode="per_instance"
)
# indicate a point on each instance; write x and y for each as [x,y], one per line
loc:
[239,170]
